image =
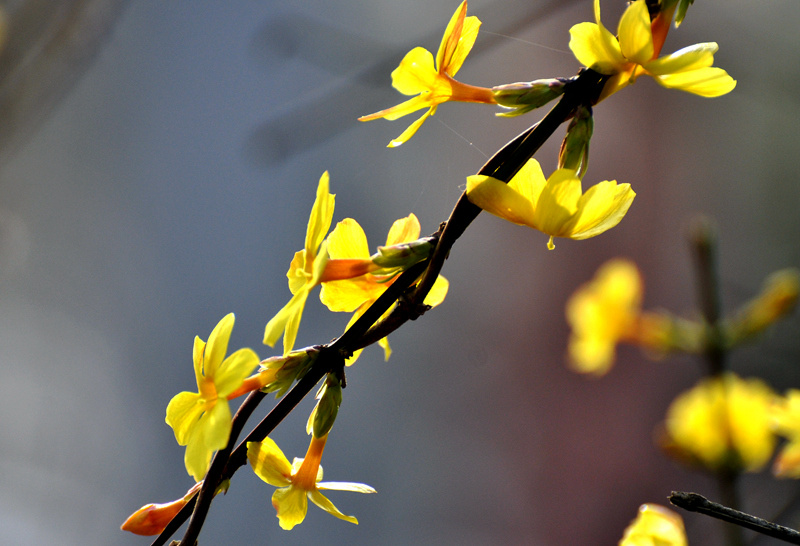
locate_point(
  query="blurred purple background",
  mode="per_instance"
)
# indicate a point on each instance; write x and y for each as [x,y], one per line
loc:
[171,185]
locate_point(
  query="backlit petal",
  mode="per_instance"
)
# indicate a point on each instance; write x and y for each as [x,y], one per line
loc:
[347,240]
[635,36]
[601,208]
[499,199]
[416,73]
[403,230]
[595,48]
[706,82]
[269,463]
[323,502]
[217,345]
[321,216]
[451,36]
[183,411]
[468,35]
[233,371]
[291,505]
[557,203]
[529,181]
[216,425]
[438,292]
[689,58]
[412,129]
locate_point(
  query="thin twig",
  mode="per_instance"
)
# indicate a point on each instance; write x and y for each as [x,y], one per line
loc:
[698,503]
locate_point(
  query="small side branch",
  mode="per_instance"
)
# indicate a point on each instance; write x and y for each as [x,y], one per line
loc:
[698,503]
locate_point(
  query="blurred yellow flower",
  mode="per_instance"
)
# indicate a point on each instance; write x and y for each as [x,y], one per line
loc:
[723,423]
[655,526]
[202,420]
[556,206]
[348,241]
[635,52]
[434,84]
[786,422]
[603,312]
[298,481]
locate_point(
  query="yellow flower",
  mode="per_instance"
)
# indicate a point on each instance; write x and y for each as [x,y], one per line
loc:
[305,271]
[786,422]
[151,519]
[556,206]
[310,267]
[722,423]
[202,420]
[601,313]
[347,241]
[298,482]
[434,84]
[655,526]
[636,50]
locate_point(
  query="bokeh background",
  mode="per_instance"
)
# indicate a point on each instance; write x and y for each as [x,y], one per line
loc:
[158,161]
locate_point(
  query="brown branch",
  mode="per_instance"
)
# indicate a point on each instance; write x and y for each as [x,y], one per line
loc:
[581,90]
[698,503]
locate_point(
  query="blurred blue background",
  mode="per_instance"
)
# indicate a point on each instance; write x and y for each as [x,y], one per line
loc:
[160,175]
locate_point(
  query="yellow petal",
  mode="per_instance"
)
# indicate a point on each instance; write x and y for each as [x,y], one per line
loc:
[403,230]
[601,208]
[558,203]
[593,50]
[635,36]
[499,199]
[706,82]
[286,322]
[291,505]
[347,240]
[197,354]
[269,463]
[183,411]
[451,36]
[403,109]
[412,129]
[233,371]
[689,58]
[387,349]
[655,525]
[529,181]
[323,502]
[346,486]
[217,345]
[416,73]
[438,292]
[347,295]
[321,216]
[468,35]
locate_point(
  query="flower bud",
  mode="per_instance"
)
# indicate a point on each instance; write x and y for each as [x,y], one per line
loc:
[574,153]
[403,255]
[522,97]
[329,399]
[290,368]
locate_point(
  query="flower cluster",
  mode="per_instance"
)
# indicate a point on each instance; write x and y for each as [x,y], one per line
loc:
[725,424]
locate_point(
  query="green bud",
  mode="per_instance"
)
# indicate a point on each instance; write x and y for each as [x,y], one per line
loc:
[522,97]
[290,368]
[403,255]
[574,153]
[329,399]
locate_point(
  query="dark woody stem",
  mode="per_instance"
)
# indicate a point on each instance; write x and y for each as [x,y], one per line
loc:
[704,243]
[581,90]
[697,503]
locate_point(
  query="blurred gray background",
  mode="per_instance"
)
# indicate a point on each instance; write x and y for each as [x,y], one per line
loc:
[158,161]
